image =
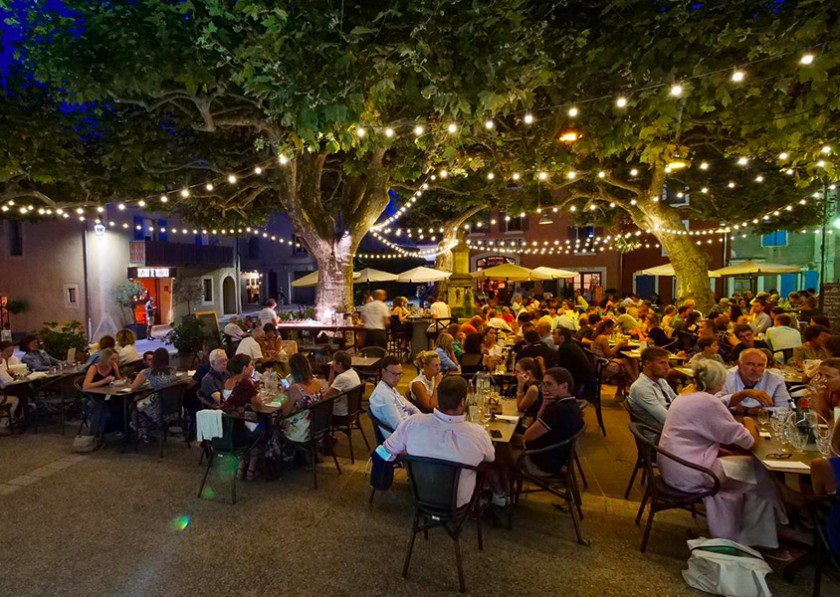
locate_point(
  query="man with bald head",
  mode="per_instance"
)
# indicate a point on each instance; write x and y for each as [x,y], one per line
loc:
[377,317]
[751,387]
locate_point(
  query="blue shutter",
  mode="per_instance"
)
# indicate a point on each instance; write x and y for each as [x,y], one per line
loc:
[138,232]
[161,224]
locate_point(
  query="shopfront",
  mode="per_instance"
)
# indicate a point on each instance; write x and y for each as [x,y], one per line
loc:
[158,284]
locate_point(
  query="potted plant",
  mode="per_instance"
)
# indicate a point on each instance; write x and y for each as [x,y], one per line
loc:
[189,291]
[57,339]
[128,295]
[188,338]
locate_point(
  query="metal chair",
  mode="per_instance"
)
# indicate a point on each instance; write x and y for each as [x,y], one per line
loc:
[378,426]
[563,485]
[440,325]
[434,489]
[320,417]
[347,423]
[6,409]
[592,391]
[821,552]
[221,447]
[371,374]
[661,495]
[170,405]
[641,452]
[686,340]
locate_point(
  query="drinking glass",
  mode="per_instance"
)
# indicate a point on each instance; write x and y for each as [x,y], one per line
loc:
[763,418]
[824,446]
[797,440]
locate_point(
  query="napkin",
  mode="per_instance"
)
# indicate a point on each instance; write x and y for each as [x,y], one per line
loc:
[786,465]
[511,418]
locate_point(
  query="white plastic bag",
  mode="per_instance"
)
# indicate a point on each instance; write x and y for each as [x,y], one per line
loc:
[724,567]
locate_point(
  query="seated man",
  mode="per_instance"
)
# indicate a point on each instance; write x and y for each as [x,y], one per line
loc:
[544,331]
[750,387]
[571,356]
[628,323]
[783,335]
[746,336]
[567,318]
[386,403]
[534,348]
[342,378]
[250,346]
[493,320]
[213,384]
[759,320]
[446,435]
[558,419]
[650,394]
[272,346]
[233,330]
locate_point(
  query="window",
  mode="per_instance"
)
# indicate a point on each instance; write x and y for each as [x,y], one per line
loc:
[775,239]
[71,295]
[14,232]
[514,223]
[207,290]
[298,248]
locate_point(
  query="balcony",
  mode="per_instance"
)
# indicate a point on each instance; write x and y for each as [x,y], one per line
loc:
[156,253]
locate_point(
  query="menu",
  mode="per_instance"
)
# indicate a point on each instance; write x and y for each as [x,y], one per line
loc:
[831,304]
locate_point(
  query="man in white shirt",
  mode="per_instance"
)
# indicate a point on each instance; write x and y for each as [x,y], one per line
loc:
[650,394]
[377,316]
[759,320]
[251,347]
[439,309]
[233,330]
[566,319]
[342,378]
[447,435]
[386,403]
[750,387]
[267,314]
[494,321]
[783,335]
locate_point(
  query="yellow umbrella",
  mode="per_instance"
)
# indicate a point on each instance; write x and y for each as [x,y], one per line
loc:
[664,270]
[312,279]
[509,272]
[554,273]
[752,267]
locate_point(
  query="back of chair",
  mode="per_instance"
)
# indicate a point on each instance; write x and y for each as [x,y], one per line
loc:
[378,426]
[651,450]
[410,397]
[354,399]
[225,443]
[434,483]
[787,354]
[686,340]
[171,400]
[320,417]
[129,370]
[376,352]
[564,450]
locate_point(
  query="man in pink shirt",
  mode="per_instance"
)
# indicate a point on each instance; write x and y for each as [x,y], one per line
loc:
[446,434]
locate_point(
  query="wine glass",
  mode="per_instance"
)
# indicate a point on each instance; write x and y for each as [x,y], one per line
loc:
[763,417]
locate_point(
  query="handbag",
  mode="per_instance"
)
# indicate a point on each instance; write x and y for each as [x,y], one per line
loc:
[725,567]
[82,444]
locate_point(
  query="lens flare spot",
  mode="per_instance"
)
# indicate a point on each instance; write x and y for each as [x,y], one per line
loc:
[180,523]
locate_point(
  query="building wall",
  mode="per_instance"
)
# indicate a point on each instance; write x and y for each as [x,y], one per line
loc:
[51,261]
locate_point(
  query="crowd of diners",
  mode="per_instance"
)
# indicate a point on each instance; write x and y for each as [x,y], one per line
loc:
[548,349]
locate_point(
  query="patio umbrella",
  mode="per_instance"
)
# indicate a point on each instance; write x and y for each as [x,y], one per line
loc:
[420,275]
[665,269]
[373,275]
[753,268]
[509,272]
[312,280]
[554,273]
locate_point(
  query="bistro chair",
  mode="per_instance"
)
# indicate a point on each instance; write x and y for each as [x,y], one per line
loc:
[130,370]
[320,419]
[821,552]
[563,484]
[787,355]
[347,423]
[439,325]
[686,340]
[371,374]
[398,340]
[170,409]
[410,398]
[378,426]
[641,453]
[6,409]
[221,448]
[434,489]
[658,493]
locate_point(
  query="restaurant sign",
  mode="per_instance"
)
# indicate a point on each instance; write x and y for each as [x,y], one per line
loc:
[152,272]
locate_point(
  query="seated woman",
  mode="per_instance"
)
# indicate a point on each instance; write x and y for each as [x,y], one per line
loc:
[105,371]
[652,333]
[490,348]
[445,349]
[697,428]
[304,391]
[529,377]
[458,337]
[826,388]
[35,358]
[620,368]
[104,342]
[472,361]
[159,375]
[125,347]
[423,389]
[240,393]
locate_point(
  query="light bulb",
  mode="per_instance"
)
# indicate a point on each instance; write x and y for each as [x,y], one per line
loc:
[602,174]
[676,90]
[529,118]
[452,128]
[209,186]
[542,175]
[634,172]
[490,176]
[164,199]
[257,170]
[185,193]
[826,149]
[489,124]
[731,185]
[121,206]
[389,132]
[704,165]
[515,176]
[571,175]
[759,178]
[283,160]
[621,102]
[783,155]
[232,179]
[738,76]
[743,161]
[444,173]
[806,59]
[419,130]
[573,111]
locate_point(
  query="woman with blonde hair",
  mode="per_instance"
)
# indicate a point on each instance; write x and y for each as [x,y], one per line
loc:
[445,349]
[423,389]
[127,352]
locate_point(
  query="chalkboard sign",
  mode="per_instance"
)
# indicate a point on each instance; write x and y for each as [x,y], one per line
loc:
[211,328]
[831,305]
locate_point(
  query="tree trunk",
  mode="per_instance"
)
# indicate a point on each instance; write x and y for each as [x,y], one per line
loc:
[334,292]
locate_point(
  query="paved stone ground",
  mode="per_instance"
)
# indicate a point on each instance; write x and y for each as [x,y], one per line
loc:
[130,524]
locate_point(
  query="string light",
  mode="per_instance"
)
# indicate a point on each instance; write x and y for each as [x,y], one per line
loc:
[806,59]
[738,76]
[528,119]
[621,102]
[676,90]
[452,128]
[389,132]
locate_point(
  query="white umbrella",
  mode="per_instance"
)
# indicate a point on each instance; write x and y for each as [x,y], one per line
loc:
[751,267]
[665,269]
[419,275]
[312,279]
[373,275]
[510,272]
[554,273]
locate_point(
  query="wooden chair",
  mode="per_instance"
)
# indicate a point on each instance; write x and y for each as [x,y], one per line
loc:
[563,485]
[439,326]
[658,494]
[434,490]
[347,423]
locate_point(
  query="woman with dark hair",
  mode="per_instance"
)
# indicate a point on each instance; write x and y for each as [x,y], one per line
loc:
[621,369]
[529,376]
[305,391]
[104,342]
[734,313]
[35,358]
[472,361]
[159,375]
[239,393]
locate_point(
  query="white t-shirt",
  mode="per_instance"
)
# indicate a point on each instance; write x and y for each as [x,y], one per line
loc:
[499,324]
[250,347]
[375,313]
[5,377]
[267,315]
[343,382]
[128,354]
[440,310]
[234,331]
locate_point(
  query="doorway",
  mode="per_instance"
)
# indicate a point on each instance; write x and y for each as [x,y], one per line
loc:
[228,296]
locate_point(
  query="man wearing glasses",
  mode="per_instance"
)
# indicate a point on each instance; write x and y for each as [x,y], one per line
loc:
[386,403]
